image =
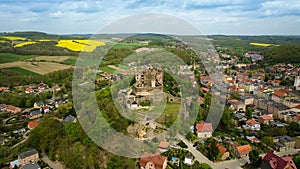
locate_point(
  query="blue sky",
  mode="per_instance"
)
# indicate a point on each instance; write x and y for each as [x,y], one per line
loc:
[244,17]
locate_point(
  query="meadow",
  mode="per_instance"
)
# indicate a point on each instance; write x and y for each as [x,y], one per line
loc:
[127,45]
[107,69]
[22,71]
[9,57]
[37,67]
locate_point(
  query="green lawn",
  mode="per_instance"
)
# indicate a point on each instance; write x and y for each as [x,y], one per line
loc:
[107,69]
[22,71]
[9,57]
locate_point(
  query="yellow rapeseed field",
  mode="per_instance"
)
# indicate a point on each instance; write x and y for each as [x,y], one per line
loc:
[13,37]
[44,40]
[262,44]
[24,43]
[80,45]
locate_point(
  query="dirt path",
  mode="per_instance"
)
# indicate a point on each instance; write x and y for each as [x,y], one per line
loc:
[53,165]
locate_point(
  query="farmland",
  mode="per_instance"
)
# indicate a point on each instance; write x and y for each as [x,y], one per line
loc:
[262,44]
[13,38]
[52,58]
[9,57]
[38,67]
[24,43]
[127,45]
[80,45]
[22,71]
[107,69]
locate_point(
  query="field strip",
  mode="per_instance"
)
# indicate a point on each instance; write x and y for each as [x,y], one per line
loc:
[37,67]
[51,58]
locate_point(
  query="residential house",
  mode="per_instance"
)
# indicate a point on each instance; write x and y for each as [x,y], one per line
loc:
[33,124]
[35,114]
[46,109]
[14,164]
[3,107]
[4,89]
[247,99]
[253,139]
[266,119]
[277,109]
[70,118]
[241,150]
[188,159]
[31,166]
[29,90]
[163,146]
[289,116]
[263,92]
[41,87]
[153,161]
[13,109]
[56,88]
[223,152]
[272,161]
[283,143]
[204,130]
[238,106]
[240,117]
[38,105]
[28,157]
[251,124]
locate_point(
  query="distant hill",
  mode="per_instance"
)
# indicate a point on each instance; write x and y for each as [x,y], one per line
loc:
[41,35]
[283,54]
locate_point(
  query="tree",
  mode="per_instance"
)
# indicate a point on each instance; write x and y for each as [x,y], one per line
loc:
[296,160]
[268,141]
[213,150]
[294,126]
[234,95]
[201,165]
[227,119]
[254,157]
[249,112]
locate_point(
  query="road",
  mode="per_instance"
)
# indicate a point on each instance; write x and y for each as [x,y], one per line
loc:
[234,164]
[231,164]
[25,138]
[51,164]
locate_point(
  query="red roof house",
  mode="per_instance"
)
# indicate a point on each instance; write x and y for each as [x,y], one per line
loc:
[153,161]
[204,130]
[272,161]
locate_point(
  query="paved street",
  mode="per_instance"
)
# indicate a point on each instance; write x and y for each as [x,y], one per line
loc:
[231,164]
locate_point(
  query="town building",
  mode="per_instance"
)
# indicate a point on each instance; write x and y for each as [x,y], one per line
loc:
[28,157]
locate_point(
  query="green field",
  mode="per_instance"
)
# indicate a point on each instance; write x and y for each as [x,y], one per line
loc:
[127,45]
[22,71]
[70,61]
[9,57]
[107,69]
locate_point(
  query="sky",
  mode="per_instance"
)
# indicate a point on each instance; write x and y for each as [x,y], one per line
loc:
[231,17]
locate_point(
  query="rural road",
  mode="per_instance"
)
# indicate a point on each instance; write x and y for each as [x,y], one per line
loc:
[51,164]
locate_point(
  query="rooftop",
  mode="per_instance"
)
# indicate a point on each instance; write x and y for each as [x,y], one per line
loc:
[28,153]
